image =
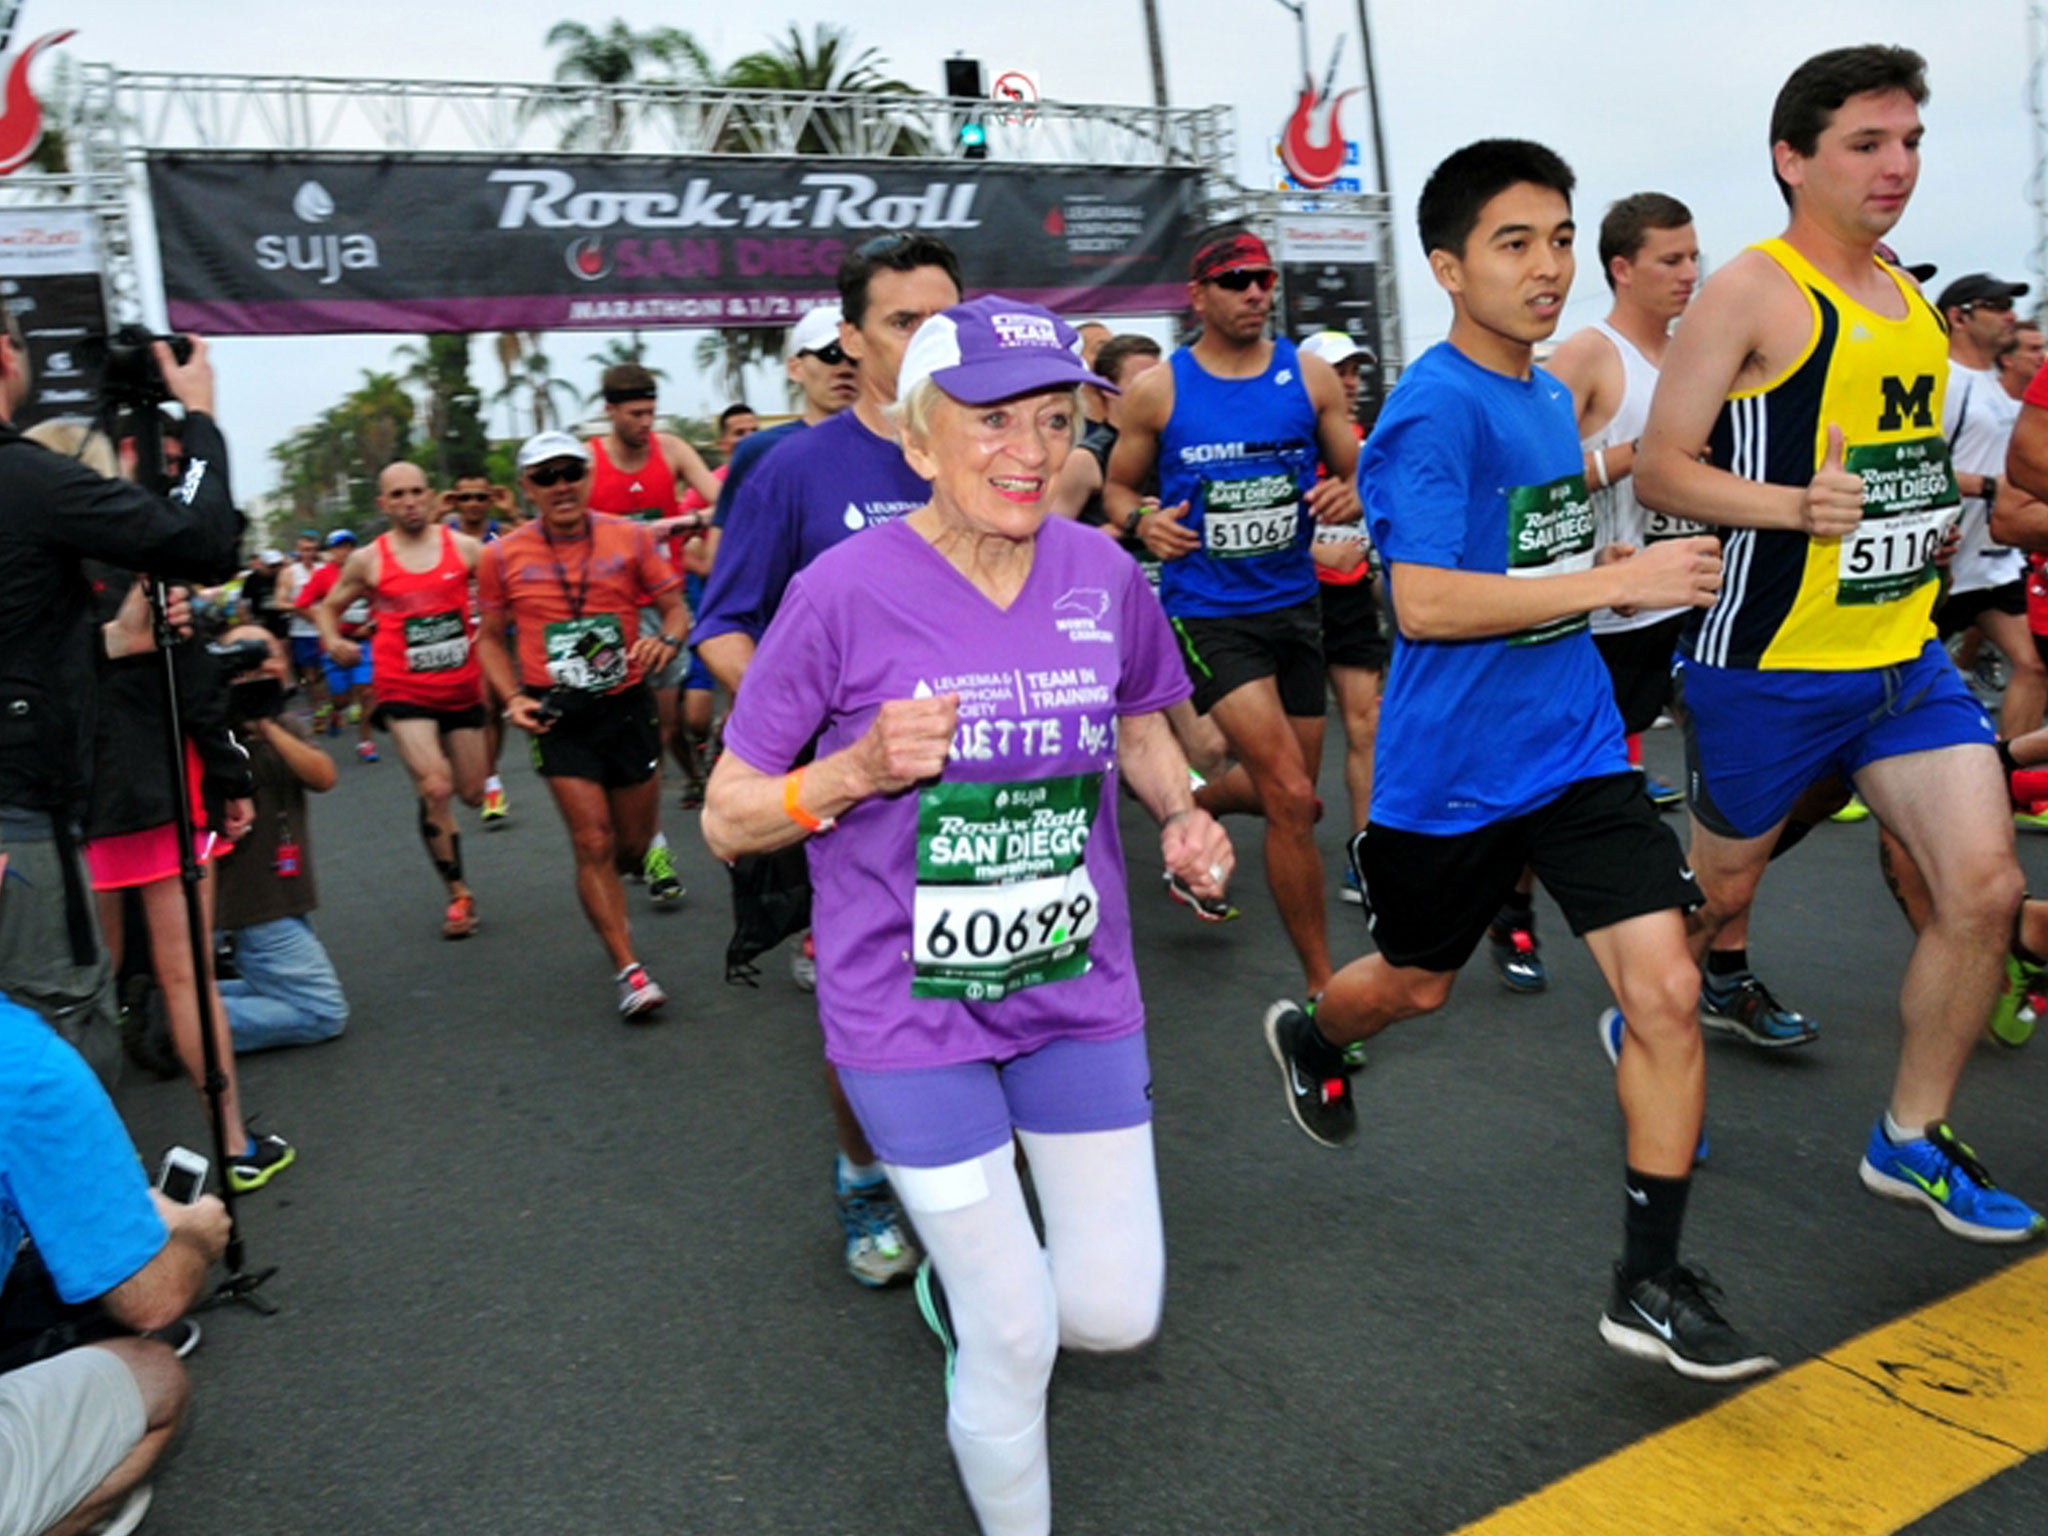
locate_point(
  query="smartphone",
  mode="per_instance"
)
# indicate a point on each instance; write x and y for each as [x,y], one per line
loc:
[183,1175]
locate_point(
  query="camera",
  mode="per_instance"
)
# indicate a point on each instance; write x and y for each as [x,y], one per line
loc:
[238,658]
[252,694]
[129,376]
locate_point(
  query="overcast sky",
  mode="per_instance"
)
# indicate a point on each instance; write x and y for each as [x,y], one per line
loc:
[1673,95]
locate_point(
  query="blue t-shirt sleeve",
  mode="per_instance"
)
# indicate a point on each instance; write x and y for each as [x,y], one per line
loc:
[756,558]
[1416,475]
[69,1171]
[1153,676]
[744,456]
[787,697]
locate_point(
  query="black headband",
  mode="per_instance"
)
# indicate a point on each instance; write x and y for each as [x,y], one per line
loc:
[633,392]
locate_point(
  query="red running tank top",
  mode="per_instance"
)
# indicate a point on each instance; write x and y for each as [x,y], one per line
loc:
[421,653]
[647,493]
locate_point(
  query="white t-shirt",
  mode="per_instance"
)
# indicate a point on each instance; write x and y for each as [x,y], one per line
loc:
[1978,419]
[290,581]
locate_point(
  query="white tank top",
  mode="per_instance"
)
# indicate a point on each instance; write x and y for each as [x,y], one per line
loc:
[1617,516]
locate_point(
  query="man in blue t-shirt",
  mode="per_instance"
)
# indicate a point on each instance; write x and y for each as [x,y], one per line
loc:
[80,1429]
[818,487]
[1475,494]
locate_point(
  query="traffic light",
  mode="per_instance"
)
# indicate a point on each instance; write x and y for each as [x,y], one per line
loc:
[973,139]
[964,83]
[963,79]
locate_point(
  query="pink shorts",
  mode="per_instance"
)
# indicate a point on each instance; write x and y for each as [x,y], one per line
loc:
[141,858]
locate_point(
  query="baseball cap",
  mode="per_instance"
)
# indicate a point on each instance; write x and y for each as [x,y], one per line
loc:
[542,446]
[340,536]
[819,328]
[272,557]
[992,348]
[1238,251]
[1335,347]
[1975,288]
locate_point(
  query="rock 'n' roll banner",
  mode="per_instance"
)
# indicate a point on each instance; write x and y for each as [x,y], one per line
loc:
[302,244]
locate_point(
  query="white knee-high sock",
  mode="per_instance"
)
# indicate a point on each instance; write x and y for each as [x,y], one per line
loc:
[1008,1481]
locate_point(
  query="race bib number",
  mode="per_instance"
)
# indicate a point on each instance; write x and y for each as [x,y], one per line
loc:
[436,642]
[1003,900]
[1550,533]
[1910,502]
[587,654]
[1254,516]
[1658,526]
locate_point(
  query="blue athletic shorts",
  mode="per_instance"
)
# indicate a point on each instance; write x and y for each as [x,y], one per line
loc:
[932,1117]
[1754,741]
[306,651]
[341,679]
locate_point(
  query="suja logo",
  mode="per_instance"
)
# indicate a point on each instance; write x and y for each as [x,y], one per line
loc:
[327,255]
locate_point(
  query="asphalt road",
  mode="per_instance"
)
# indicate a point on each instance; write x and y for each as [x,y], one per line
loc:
[544,1273]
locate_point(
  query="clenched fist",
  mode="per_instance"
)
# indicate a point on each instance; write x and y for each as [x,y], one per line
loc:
[907,743]
[1673,573]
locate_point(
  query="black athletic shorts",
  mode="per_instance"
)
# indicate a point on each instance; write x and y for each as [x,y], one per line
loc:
[611,739]
[1639,665]
[1285,644]
[470,719]
[1959,610]
[1352,633]
[1600,849]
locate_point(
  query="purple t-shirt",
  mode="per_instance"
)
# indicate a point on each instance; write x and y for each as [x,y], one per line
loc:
[979,917]
[811,492]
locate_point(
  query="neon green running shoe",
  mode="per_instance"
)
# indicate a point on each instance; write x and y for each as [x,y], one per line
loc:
[659,870]
[1854,810]
[2021,1004]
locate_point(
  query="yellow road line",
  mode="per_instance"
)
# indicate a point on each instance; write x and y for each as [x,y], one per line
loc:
[1857,1442]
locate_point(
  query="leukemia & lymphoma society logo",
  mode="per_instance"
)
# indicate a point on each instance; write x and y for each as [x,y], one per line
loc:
[588,258]
[21,117]
[318,253]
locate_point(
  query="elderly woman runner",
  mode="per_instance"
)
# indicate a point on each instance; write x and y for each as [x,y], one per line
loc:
[978,678]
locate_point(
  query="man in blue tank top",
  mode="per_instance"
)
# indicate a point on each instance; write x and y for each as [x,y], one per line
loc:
[1236,423]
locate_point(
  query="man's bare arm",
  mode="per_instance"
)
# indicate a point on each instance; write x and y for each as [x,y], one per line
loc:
[1146,409]
[1590,368]
[358,575]
[1436,603]
[687,463]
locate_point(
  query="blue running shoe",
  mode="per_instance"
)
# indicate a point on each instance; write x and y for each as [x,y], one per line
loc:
[1742,1006]
[1664,796]
[1350,891]
[1939,1172]
[1612,1029]
[878,1251]
[1511,942]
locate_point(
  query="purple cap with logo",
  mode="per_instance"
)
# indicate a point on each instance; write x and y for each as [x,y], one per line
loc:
[993,348]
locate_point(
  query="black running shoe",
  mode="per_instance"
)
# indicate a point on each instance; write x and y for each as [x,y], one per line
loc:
[1320,1102]
[1674,1317]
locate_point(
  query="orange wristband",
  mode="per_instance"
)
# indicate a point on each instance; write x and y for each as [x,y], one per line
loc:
[792,787]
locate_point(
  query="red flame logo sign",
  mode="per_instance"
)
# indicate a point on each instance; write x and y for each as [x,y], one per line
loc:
[21,119]
[1313,152]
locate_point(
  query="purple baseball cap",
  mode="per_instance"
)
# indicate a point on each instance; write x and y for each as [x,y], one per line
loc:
[993,348]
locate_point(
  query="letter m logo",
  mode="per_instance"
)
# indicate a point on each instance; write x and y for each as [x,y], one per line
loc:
[1904,403]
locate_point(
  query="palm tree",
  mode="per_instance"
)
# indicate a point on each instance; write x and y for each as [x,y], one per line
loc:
[826,63]
[630,348]
[533,376]
[619,56]
[438,366]
[734,348]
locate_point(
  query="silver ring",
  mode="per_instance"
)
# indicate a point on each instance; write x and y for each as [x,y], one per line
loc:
[1216,873]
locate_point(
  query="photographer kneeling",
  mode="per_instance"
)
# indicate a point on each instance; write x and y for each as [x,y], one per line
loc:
[287,992]
[54,515]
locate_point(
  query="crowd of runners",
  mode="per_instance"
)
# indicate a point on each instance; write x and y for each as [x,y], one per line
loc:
[999,575]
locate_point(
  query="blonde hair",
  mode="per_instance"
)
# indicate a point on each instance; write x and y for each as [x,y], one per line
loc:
[81,441]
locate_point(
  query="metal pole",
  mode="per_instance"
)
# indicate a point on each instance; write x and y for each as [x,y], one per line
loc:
[1158,51]
[1395,356]
[1372,98]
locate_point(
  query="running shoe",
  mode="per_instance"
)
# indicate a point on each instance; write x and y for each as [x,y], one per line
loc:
[181,1337]
[1320,1103]
[878,1251]
[1939,1172]
[367,751]
[2022,1003]
[803,965]
[495,809]
[1512,943]
[267,1157]
[1351,891]
[459,922]
[2033,818]
[1742,1006]
[640,996]
[128,1518]
[1216,909]
[662,884]
[931,1306]
[1666,797]
[1613,1030]
[1676,1317]
[1853,809]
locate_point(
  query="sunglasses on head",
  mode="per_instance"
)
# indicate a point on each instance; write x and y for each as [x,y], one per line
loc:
[831,354]
[1237,282]
[567,473]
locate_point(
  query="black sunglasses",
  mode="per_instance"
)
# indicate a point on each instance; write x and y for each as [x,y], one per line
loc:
[469,495]
[1996,306]
[558,474]
[1237,282]
[831,354]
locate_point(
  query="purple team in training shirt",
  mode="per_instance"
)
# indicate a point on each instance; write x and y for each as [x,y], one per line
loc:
[980,680]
